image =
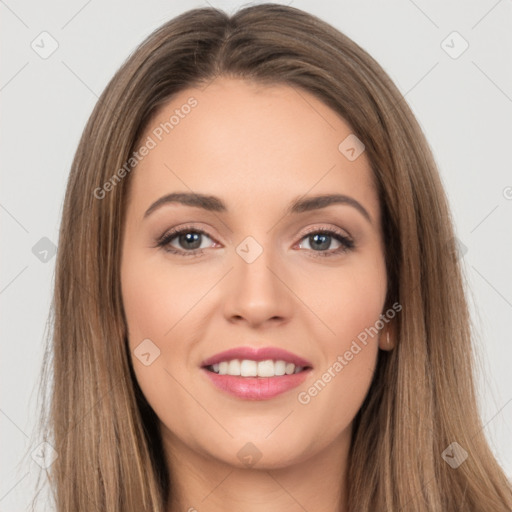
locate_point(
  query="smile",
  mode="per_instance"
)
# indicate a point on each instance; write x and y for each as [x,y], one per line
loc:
[251,368]
[253,373]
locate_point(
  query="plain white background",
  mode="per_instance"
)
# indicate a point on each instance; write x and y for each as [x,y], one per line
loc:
[463,103]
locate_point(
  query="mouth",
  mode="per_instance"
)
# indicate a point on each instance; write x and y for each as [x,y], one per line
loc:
[256,374]
[251,368]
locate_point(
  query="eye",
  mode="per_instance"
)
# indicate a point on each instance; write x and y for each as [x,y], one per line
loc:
[319,240]
[186,241]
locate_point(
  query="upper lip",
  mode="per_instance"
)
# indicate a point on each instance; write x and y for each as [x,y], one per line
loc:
[257,354]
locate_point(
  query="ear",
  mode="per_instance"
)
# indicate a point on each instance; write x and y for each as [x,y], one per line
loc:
[387,337]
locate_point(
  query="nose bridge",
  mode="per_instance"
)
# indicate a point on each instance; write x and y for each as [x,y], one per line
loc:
[257,292]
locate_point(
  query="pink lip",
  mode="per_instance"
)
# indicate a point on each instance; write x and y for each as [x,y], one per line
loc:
[256,388]
[256,354]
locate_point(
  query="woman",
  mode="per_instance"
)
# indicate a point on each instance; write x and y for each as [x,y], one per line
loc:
[310,349]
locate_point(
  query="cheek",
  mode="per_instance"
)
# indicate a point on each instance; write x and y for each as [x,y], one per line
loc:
[156,303]
[346,300]
[349,302]
[154,299]
[166,304]
[336,394]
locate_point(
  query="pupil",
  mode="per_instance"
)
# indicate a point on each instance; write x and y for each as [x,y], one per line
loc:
[322,241]
[193,238]
[324,244]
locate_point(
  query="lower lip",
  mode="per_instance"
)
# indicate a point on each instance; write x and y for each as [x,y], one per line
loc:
[257,388]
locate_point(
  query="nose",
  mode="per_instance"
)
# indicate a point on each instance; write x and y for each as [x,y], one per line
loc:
[258,293]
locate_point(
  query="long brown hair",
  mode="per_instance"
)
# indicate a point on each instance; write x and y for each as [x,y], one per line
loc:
[422,397]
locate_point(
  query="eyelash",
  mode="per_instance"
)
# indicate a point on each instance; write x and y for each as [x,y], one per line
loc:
[347,244]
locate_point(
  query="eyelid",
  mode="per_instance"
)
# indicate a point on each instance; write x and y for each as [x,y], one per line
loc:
[164,240]
[317,228]
[179,229]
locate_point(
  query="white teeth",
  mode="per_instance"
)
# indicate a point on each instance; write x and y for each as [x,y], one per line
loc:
[249,368]
[279,368]
[266,368]
[234,367]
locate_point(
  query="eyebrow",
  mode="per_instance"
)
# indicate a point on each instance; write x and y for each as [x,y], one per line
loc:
[300,205]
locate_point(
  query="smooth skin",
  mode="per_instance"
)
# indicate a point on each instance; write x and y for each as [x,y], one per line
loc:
[257,148]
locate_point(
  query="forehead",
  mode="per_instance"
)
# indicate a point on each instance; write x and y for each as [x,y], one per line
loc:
[246,141]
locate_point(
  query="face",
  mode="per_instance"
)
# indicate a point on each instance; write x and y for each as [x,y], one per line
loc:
[249,270]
